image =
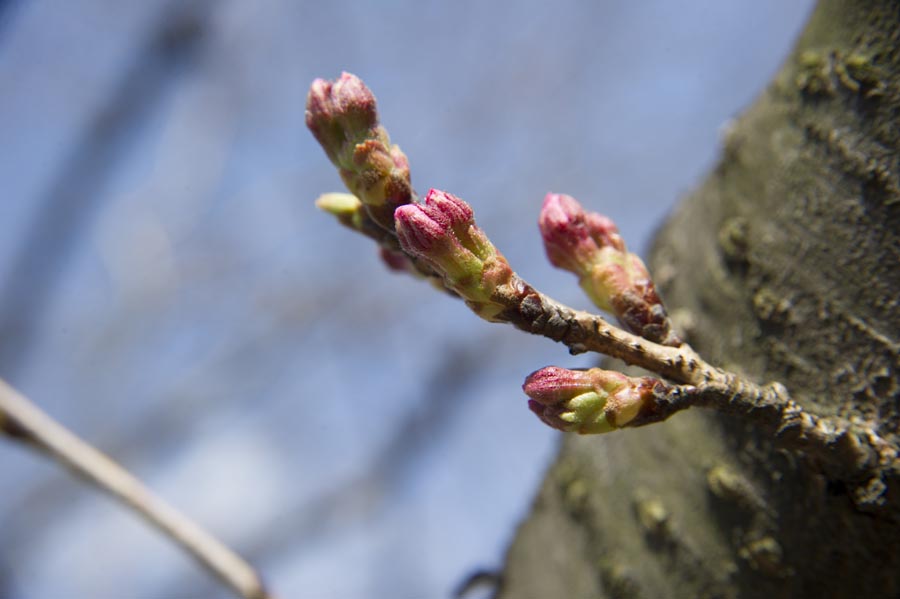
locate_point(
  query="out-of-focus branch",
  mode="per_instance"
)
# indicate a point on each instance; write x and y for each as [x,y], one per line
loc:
[21,420]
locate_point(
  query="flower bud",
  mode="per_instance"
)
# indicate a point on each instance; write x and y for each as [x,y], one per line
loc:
[567,239]
[442,232]
[587,401]
[604,231]
[342,116]
[428,238]
[340,112]
[589,245]
[458,215]
[449,208]
[553,384]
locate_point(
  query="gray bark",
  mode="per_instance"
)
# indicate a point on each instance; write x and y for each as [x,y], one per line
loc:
[784,265]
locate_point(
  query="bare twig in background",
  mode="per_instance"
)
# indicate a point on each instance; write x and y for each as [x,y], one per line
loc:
[23,421]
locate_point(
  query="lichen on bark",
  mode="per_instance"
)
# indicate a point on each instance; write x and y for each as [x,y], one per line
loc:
[786,259]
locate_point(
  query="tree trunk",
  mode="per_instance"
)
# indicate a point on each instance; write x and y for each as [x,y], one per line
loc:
[784,265]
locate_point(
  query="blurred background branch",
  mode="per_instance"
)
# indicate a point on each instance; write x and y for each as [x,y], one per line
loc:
[23,421]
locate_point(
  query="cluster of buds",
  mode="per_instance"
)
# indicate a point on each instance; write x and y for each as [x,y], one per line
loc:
[589,245]
[589,401]
[439,237]
[442,233]
[342,116]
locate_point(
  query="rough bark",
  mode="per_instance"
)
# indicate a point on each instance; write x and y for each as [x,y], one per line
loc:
[784,265]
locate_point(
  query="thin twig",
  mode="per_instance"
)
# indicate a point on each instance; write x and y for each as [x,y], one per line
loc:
[534,312]
[24,421]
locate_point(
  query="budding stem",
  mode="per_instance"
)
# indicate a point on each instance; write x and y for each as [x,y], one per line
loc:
[441,239]
[534,312]
[702,385]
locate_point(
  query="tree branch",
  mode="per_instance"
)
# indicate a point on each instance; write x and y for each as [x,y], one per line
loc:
[441,241]
[844,449]
[23,421]
[534,312]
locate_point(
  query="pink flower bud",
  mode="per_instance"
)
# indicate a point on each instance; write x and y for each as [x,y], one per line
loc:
[433,241]
[418,232]
[603,231]
[342,116]
[442,232]
[567,239]
[552,385]
[455,218]
[588,401]
[458,215]
[448,207]
[589,245]
[340,112]
[354,99]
